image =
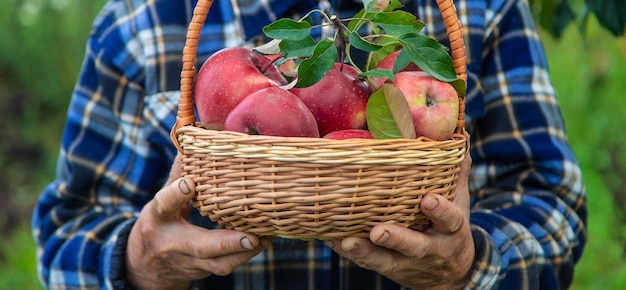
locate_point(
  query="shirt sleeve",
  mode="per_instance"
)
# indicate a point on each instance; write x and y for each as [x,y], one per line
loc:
[528,210]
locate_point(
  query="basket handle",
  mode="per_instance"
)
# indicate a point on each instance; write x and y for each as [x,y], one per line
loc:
[186,115]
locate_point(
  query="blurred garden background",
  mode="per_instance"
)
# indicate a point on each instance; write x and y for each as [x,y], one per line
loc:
[41,49]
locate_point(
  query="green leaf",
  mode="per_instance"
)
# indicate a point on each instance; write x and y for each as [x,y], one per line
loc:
[398,22]
[610,13]
[311,70]
[429,55]
[388,114]
[460,86]
[298,48]
[378,73]
[358,42]
[360,18]
[389,46]
[402,61]
[554,16]
[286,28]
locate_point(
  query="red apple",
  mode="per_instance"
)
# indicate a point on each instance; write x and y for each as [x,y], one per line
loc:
[387,63]
[349,134]
[226,78]
[434,104]
[287,68]
[272,111]
[338,100]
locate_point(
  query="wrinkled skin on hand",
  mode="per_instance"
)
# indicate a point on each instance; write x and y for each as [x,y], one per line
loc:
[165,251]
[441,257]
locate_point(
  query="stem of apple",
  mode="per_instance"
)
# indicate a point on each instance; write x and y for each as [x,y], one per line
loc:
[314,11]
[271,63]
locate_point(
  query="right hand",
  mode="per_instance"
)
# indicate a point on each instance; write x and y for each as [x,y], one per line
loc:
[165,251]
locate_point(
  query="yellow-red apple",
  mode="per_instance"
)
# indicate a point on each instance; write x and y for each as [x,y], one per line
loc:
[434,104]
[387,63]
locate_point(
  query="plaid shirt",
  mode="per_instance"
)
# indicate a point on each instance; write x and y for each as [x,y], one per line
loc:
[528,204]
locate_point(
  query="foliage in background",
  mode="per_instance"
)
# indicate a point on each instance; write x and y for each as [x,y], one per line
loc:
[556,15]
[41,49]
[588,72]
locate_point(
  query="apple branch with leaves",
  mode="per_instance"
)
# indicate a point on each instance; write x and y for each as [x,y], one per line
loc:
[390,29]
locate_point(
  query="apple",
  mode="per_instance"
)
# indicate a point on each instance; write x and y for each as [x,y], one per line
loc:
[434,104]
[287,68]
[226,78]
[387,63]
[349,134]
[272,111]
[338,100]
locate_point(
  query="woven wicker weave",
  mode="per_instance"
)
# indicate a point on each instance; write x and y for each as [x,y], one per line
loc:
[312,187]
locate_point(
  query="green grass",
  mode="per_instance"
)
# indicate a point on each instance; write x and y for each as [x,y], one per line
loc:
[18,268]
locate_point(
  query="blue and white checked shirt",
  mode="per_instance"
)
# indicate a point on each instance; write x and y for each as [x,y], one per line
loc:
[528,204]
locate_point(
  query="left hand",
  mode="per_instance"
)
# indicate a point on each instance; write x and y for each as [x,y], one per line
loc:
[441,257]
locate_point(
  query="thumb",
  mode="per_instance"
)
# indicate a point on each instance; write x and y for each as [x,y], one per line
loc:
[167,203]
[445,216]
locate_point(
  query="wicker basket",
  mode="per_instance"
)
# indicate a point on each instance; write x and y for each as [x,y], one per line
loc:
[308,188]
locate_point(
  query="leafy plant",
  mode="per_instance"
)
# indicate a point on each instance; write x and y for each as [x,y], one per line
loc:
[556,15]
[390,29]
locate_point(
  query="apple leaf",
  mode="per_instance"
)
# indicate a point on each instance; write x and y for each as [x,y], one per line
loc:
[388,114]
[378,73]
[429,55]
[389,46]
[298,48]
[286,28]
[402,61]
[358,42]
[398,22]
[360,18]
[311,70]
[460,86]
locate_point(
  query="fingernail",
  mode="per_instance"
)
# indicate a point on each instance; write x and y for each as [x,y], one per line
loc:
[183,186]
[383,237]
[430,202]
[352,247]
[246,243]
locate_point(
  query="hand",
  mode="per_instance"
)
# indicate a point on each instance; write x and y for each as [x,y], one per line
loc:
[439,258]
[165,251]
